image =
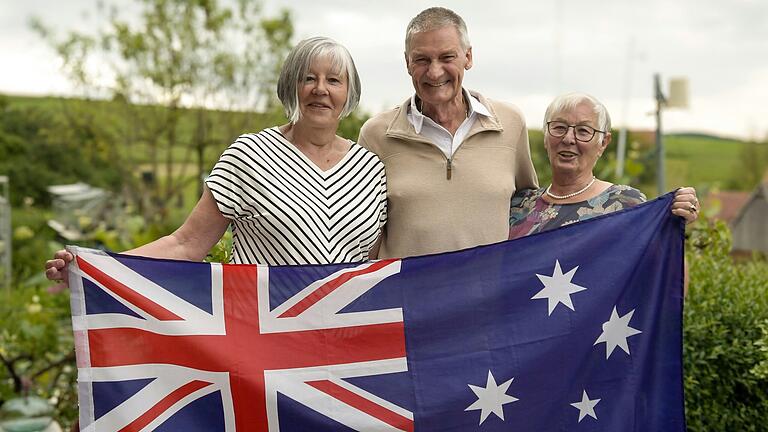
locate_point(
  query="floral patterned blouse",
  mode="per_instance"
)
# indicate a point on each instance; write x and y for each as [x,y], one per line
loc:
[529,213]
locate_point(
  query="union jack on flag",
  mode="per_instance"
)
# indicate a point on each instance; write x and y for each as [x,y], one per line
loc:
[577,328]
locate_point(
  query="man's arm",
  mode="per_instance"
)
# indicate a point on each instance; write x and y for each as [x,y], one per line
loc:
[525,173]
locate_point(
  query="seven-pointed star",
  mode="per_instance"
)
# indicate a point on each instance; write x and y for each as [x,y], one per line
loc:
[586,407]
[558,288]
[616,331]
[492,398]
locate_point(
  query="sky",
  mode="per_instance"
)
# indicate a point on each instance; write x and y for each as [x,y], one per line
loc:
[524,52]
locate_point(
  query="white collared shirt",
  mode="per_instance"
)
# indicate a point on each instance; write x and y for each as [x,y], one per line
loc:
[439,135]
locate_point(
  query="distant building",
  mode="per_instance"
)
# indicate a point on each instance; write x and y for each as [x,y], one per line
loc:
[730,204]
[750,226]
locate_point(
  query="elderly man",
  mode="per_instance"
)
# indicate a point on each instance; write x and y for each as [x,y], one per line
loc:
[453,158]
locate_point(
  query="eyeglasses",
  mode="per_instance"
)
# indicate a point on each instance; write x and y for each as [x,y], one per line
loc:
[582,133]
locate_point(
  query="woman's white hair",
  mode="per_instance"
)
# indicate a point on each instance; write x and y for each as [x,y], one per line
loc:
[297,64]
[569,101]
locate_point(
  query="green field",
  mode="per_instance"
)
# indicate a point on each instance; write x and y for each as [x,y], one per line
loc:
[704,162]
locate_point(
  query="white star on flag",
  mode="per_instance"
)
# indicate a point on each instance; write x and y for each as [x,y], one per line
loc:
[492,398]
[586,407]
[616,331]
[558,288]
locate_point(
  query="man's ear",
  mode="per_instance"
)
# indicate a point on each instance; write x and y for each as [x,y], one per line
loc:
[407,63]
[468,65]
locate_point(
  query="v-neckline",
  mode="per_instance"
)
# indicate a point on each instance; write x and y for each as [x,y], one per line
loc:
[309,161]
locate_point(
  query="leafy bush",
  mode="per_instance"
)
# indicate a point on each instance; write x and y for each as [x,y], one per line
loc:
[725,337]
[33,243]
[36,349]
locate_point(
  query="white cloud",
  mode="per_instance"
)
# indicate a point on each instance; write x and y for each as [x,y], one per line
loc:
[525,52]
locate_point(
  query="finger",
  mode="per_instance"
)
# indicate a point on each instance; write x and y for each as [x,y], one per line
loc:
[56,264]
[53,274]
[679,212]
[684,207]
[689,214]
[63,255]
[689,194]
[686,202]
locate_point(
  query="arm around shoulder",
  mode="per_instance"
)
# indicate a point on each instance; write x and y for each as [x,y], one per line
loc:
[525,173]
[364,138]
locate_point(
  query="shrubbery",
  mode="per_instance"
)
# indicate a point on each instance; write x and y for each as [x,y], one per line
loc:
[725,331]
[37,349]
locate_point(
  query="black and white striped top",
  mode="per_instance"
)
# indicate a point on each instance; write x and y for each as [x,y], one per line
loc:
[285,210]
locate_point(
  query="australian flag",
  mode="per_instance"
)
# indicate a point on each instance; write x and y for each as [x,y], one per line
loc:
[576,329]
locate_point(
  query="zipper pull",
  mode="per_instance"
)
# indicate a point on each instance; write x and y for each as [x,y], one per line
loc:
[448,169]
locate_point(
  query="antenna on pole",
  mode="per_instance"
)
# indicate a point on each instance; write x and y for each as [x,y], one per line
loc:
[659,97]
[678,98]
[621,146]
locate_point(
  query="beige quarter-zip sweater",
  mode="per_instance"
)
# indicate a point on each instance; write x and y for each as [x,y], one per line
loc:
[438,204]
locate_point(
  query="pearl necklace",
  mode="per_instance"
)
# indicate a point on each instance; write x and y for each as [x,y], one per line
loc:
[570,195]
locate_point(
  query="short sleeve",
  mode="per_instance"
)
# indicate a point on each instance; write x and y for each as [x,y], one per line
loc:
[228,178]
[628,196]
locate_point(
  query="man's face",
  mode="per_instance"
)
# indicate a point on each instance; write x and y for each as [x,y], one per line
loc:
[436,63]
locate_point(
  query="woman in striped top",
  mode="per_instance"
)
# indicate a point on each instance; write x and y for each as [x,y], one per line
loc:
[293,194]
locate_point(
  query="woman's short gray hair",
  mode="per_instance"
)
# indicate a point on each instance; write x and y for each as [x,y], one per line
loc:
[436,18]
[297,64]
[570,101]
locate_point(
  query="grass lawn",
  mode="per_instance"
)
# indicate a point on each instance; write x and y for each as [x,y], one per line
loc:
[703,162]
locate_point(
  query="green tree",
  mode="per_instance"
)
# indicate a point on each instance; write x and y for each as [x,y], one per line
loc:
[165,72]
[39,148]
[752,167]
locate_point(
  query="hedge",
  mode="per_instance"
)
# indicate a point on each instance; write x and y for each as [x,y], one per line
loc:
[725,347]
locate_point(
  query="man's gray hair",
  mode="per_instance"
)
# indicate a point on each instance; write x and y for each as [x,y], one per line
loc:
[297,64]
[436,18]
[570,101]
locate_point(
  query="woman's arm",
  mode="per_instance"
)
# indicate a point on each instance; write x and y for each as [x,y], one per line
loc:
[191,241]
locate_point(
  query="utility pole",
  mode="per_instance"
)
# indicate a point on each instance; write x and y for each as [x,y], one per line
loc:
[6,251]
[621,145]
[678,98]
[660,101]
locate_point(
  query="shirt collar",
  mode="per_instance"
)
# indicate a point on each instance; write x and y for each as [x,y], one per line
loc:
[475,106]
[416,117]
